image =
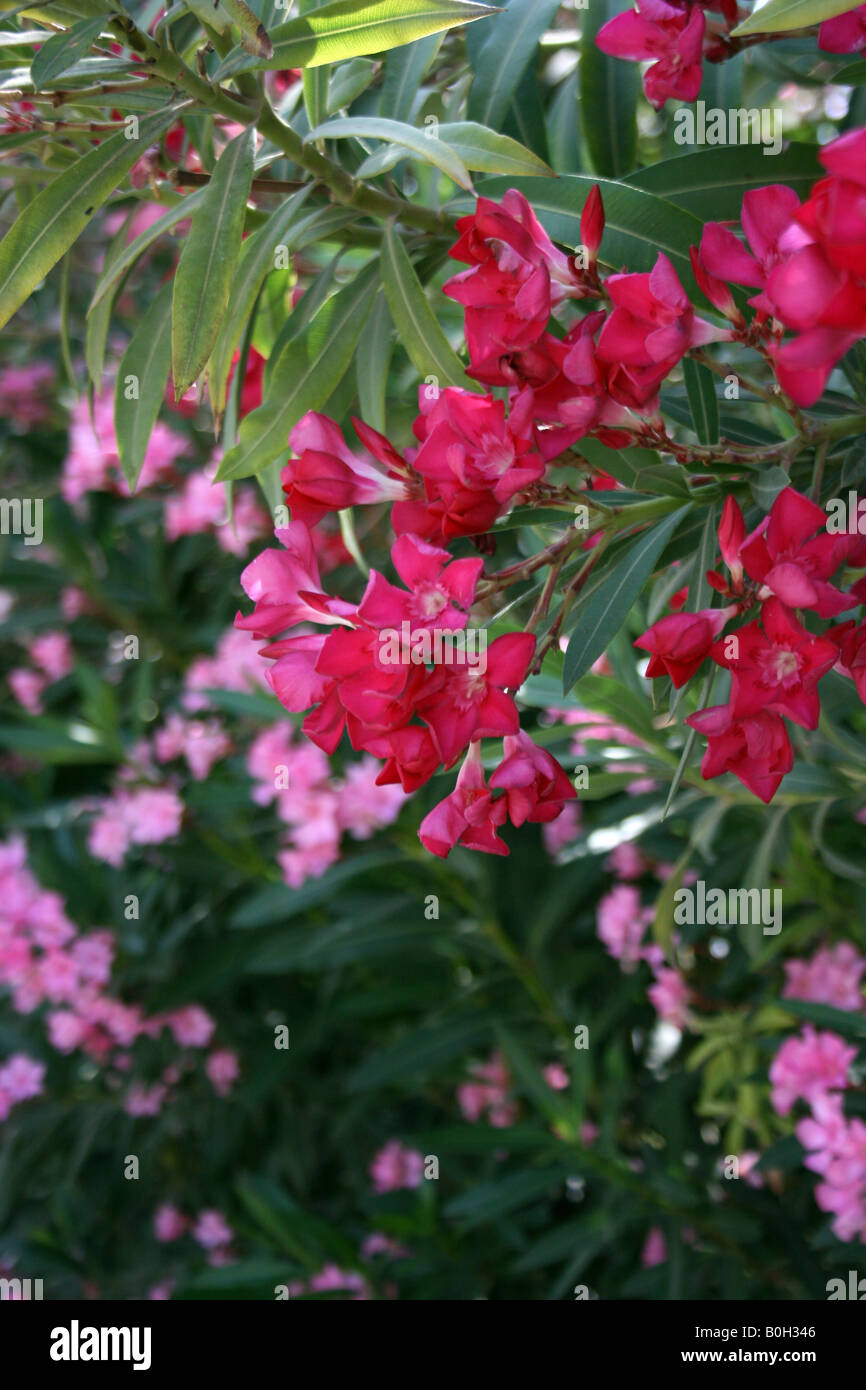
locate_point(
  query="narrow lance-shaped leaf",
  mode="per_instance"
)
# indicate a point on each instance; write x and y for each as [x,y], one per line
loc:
[606,609]
[204,274]
[416,324]
[352,28]
[511,44]
[372,361]
[130,254]
[140,387]
[778,16]
[309,369]
[256,260]
[60,51]
[404,70]
[422,143]
[57,216]
[608,96]
[701,391]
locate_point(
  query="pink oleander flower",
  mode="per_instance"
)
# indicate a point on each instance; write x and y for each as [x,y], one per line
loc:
[26,393]
[27,687]
[52,653]
[489,1094]
[626,862]
[222,1069]
[202,742]
[211,1230]
[395,1166]
[364,806]
[191,1026]
[145,1100]
[556,1076]
[93,463]
[833,976]
[169,1223]
[621,923]
[21,1078]
[808,1066]
[670,996]
[655,1248]
[672,35]
[556,834]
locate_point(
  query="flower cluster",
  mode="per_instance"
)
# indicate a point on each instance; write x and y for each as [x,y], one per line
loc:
[807,262]
[316,809]
[674,37]
[785,566]
[411,715]
[45,963]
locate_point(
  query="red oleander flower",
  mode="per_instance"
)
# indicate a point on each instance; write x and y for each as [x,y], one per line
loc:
[469,702]
[327,476]
[680,642]
[777,667]
[787,558]
[536,787]
[470,816]
[756,749]
[673,35]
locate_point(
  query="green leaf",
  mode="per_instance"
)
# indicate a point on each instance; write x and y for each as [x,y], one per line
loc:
[638,224]
[711,182]
[778,16]
[60,51]
[605,610]
[417,1054]
[510,45]
[488,152]
[57,216]
[701,391]
[256,260]
[148,360]
[404,69]
[310,368]
[850,1025]
[96,331]
[417,326]
[375,349]
[114,271]
[204,275]
[423,145]
[608,96]
[349,29]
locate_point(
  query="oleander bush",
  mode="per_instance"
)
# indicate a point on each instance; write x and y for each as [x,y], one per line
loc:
[434,661]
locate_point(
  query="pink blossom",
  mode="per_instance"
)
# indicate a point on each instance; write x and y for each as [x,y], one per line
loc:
[222,1070]
[191,1026]
[169,1223]
[808,1066]
[655,1248]
[833,976]
[52,653]
[395,1166]
[27,687]
[621,923]
[211,1230]
[21,1078]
